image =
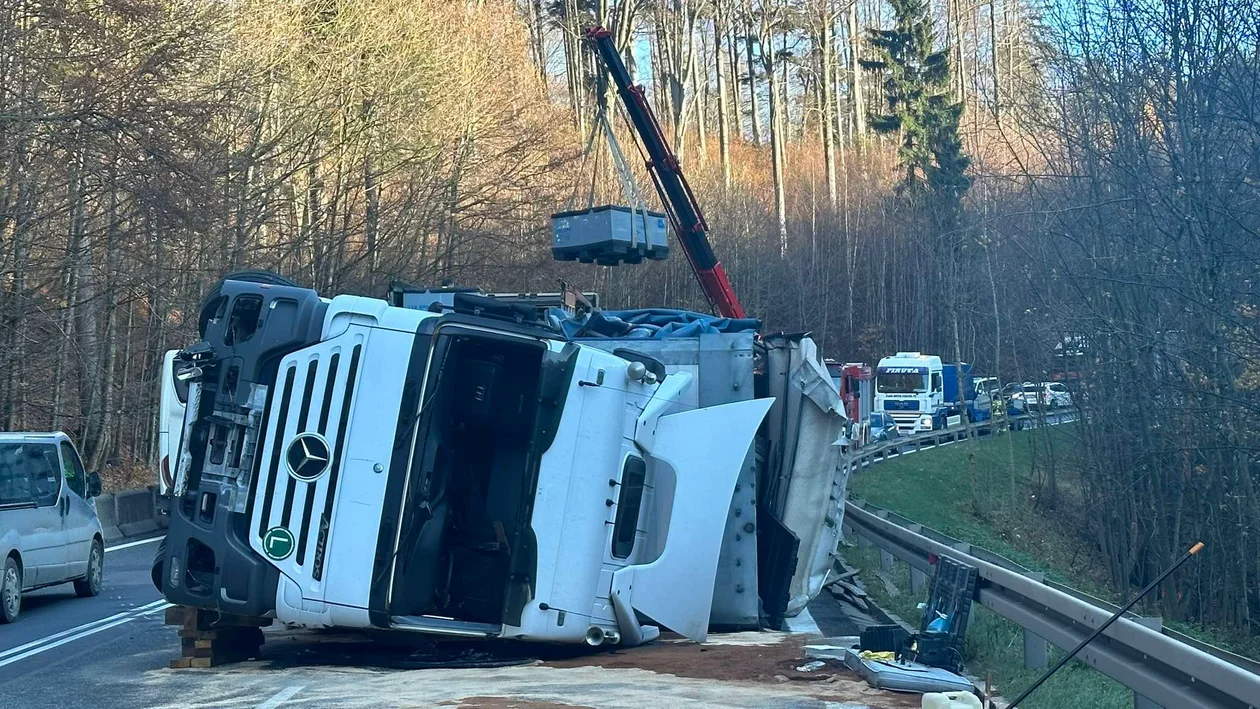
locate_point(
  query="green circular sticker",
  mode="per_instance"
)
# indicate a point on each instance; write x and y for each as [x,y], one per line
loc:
[278,543]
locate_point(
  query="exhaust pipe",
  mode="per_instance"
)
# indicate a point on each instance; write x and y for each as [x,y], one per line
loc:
[594,636]
[613,637]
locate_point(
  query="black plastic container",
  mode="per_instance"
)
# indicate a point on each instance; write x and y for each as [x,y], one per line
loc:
[953,590]
[883,638]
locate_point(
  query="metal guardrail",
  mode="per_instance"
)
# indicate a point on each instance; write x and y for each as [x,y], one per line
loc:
[1161,666]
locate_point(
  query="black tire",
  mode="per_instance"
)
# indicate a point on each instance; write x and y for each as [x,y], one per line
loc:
[10,591]
[159,559]
[209,304]
[90,584]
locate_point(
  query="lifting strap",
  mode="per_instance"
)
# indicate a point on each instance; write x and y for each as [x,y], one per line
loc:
[629,187]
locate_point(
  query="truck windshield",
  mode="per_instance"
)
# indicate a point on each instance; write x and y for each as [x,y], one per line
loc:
[901,383]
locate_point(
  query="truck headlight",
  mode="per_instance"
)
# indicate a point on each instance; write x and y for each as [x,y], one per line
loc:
[925,422]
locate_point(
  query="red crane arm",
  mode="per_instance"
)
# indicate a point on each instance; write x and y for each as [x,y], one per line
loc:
[680,203]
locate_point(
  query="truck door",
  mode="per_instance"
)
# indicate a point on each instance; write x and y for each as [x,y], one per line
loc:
[171,404]
[696,457]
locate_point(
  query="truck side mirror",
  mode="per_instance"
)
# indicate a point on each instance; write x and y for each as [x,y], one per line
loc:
[93,484]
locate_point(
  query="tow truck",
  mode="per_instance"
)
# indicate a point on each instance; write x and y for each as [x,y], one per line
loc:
[470,468]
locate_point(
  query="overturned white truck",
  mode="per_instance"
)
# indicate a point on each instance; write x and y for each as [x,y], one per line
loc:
[478,470]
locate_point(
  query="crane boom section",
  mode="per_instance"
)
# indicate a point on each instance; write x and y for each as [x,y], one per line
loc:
[680,203]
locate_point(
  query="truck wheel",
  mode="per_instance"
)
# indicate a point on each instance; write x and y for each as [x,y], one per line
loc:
[209,305]
[10,591]
[159,559]
[90,584]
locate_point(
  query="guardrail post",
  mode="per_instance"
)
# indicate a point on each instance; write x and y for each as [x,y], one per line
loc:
[1036,648]
[1154,623]
[885,558]
[918,579]
[862,542]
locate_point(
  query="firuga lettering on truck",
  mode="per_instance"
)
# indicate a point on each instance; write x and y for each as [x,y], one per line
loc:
[903,370]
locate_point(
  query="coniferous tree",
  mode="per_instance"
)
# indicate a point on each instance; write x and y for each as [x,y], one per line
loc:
[947,179]
[919,111]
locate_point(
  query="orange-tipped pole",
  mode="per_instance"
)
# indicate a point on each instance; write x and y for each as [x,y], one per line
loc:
[1198,547]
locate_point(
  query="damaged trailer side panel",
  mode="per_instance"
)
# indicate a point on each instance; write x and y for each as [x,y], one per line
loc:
[809,484]
[783,524]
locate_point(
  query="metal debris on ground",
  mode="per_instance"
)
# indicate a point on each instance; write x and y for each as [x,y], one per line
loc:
[828,651]
[811,666]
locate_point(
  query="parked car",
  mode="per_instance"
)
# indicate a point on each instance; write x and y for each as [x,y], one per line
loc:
[883,428]
[1057,395]
[1025,397]
[51,534]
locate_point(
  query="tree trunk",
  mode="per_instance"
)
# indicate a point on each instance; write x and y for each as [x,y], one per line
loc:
[538,40]
[777,121]
[732,56]
[676,46]
[827,58]
[993,56]
[575,66]
[700,104]
[855,81]
[724,137]
[753,104]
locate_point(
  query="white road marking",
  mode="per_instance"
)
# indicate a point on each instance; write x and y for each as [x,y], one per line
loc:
[33,643]
[43,644]
[802,624]
[281,697]
[128,545]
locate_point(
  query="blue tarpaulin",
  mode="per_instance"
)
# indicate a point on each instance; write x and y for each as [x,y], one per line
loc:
[649,324]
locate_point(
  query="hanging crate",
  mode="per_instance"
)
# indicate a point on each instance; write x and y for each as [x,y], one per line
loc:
[603,235]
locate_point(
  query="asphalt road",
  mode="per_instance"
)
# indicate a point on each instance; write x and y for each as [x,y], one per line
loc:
[58,633]
[112,652]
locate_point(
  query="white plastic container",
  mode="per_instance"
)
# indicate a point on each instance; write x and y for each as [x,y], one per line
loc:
[951,700]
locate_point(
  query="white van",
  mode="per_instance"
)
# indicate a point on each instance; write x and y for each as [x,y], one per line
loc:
[173,401]
[51,533]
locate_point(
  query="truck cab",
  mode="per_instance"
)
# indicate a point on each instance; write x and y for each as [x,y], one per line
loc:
[855,382]
[922,394]
[460,471]
[910,388]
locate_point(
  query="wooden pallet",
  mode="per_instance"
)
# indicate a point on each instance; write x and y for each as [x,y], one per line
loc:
[210,639]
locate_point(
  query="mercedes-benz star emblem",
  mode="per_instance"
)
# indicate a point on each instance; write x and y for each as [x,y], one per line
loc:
[308,456]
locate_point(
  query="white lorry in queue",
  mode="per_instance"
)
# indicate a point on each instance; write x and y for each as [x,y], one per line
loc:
[468,471]
[921,393]
[909,387]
